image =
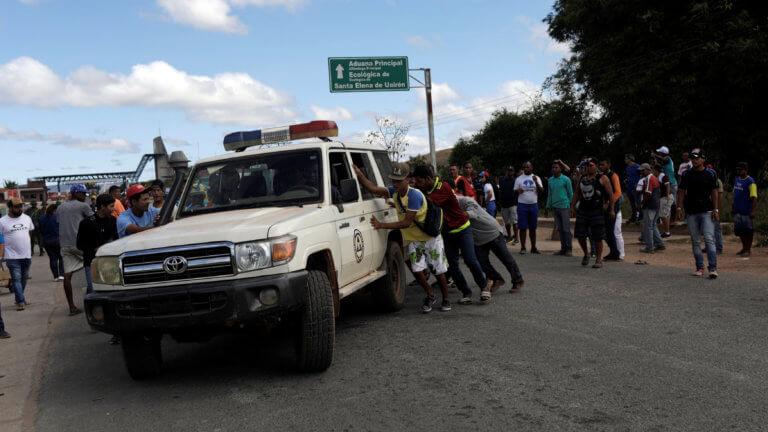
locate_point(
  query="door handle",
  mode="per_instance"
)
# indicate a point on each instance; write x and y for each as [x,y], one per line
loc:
[362,218]
[344,225]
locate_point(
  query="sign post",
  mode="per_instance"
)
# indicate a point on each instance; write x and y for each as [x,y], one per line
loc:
[355,74]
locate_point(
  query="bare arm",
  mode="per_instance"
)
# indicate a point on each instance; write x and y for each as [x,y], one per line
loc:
[715,196]
[410,216]
[369,185]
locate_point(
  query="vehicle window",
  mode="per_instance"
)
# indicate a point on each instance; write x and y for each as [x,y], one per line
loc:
[291,178]
[384,164]
[362,161]
[339,170]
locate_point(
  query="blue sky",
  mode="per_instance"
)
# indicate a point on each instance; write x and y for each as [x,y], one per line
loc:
[86,85]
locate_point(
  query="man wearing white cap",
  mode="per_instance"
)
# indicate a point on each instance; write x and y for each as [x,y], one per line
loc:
[667,167]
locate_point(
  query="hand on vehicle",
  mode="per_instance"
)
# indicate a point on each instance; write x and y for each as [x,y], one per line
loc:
[375,223]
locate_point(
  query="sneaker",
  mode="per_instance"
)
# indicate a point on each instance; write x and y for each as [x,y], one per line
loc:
[428,303]
[485,296]
[497,284]
[568,253]
[19,306]
[523,251]
[585,260]
[666,234]
[611,258]
[61,278]
[445,306]
[514,241]
[712,274]
[535,251]
[646,250]
[466,300]
[698,273]
[559,253]
[4,335]
[516,285]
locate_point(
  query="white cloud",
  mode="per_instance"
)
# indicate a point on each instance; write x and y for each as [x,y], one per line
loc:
[441,93]
[233,98]
[117,145]
[176,142]
[215,15]
[540,38]
[338,113]
[419,41]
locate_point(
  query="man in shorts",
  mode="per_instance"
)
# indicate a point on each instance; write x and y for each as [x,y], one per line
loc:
[744,206]
[593,198]
[70,214]
[528,187]
[508,202]
[423,251]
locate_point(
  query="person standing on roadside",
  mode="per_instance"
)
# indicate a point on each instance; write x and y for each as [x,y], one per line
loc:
[70,214]
[719,241]
[96,231]
[114,190]
[508,202]
[685,165]
[631,177]
[698,198]
[664,159]
[423,251]
[651,191]
[614,237]
[744,207]
[593,198]
[489,237]
[15,228]
[141,216]
[470,182]
[528,187]
[489,194]
[456,233]
[34,213]
[559,200]
[49,225]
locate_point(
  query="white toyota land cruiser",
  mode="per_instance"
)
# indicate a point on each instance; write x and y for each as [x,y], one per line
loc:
[277,233]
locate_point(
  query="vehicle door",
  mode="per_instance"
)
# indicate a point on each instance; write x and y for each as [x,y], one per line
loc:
[352,226]
[375,206]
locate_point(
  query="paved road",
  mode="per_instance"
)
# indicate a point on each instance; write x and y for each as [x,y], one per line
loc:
[623,348]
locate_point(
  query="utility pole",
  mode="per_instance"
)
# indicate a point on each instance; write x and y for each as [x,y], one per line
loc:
[428,90]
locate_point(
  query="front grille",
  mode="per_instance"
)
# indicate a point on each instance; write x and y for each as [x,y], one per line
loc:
[202,261]
[173,304]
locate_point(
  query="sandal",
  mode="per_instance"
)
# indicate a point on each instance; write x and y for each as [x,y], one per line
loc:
[597,264]
[585,261]
[75,311]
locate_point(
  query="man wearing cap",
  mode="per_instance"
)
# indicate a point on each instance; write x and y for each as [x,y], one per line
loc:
[422,250]
[631,177]
[70,214]
[15,228]
[140,216]
[744,206]
[508,202]
[698,195]
[667,166]
[651,205]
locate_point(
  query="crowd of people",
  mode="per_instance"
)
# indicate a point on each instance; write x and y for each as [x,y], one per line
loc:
[71,232]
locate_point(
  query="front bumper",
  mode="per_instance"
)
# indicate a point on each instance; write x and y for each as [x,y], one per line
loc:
[194,305]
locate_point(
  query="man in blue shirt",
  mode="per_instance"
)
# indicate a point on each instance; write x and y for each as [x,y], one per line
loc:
[631,177]
[744,203]
[140,216]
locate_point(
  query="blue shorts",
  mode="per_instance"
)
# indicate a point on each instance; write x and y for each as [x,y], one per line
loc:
[742,225]
[527,216]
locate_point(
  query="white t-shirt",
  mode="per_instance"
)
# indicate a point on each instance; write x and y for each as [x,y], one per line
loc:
[18,244]
[529,194]
[488,188]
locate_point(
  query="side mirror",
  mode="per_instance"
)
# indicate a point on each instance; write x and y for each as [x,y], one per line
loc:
[349,191]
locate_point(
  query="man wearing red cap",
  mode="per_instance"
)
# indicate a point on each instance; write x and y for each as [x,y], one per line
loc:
[140,216]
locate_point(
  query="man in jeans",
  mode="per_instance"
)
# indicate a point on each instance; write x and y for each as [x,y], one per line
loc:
[15,228]
[650,204]
[489,237]
[456,233]
[559,200]
[698,196]
[631,177]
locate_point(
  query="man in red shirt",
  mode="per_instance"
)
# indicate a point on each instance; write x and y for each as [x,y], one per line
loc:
[456,233]
[462,185]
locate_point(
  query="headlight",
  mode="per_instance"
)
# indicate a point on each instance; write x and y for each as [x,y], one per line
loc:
[106,271]
[262,254]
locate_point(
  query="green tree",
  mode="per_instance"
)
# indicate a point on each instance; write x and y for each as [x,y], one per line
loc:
[680,73]
[10,184]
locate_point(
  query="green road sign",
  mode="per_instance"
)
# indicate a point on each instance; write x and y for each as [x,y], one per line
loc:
[355,74]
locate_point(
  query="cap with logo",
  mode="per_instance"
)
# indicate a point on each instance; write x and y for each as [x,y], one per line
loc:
[134,190]
[696,154]
[78,188]
[398,174]
[645,166]
[663,150]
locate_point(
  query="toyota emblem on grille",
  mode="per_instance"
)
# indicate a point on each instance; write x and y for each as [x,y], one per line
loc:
[175,265]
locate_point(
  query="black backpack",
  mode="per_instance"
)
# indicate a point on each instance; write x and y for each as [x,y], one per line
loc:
[433,220]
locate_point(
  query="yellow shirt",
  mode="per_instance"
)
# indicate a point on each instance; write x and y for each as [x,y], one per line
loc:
[413,232]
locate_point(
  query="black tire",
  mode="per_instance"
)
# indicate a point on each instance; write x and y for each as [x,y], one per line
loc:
[389,291]
[317,325]
[143,356]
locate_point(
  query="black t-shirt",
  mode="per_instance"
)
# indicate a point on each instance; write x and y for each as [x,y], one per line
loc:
[94,232]
[507,197]
[593,194]
[698,186]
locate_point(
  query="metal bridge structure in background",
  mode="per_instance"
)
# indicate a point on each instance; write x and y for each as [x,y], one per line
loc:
[159,157]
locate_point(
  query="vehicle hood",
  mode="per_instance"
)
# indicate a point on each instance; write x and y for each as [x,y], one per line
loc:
[233,226]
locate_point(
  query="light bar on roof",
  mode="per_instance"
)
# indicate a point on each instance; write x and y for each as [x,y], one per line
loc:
[239,141]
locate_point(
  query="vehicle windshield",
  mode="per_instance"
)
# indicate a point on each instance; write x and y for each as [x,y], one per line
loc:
[280,179]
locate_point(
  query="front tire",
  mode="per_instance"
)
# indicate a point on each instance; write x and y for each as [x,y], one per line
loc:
[389,291]
[317,326]
[143,356]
